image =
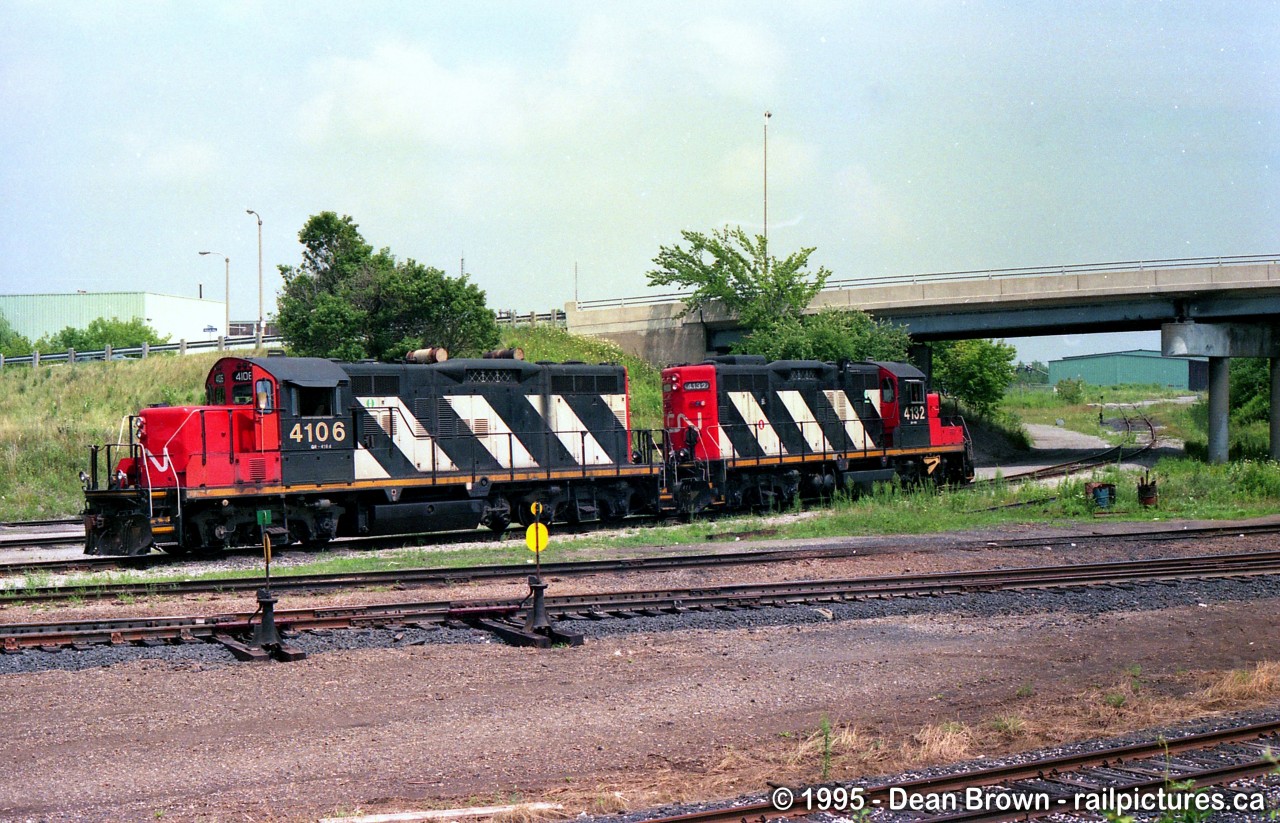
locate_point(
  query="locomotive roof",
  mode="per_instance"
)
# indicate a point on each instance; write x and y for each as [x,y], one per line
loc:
[315,372]
[902,369]
[461,364]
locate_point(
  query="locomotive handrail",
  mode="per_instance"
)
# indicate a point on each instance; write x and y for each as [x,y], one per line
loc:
[972,274]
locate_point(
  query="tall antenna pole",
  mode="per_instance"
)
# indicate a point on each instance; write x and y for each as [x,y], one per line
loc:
[767,115]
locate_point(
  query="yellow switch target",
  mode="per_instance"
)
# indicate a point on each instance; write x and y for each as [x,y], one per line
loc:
[535,537]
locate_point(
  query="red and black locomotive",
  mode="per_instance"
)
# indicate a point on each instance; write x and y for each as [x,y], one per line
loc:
[308,449]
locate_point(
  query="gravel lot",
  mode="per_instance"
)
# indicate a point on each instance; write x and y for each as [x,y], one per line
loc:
[448,718]
[650,710]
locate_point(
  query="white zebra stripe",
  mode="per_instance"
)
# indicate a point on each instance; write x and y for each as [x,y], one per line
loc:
[406,433]
[845,411]
[756,421]
[805,419]
[368,467]
[497,438]
[573,433]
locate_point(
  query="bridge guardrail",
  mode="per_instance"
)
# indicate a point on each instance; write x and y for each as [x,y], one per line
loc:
[974,274]
[505,317]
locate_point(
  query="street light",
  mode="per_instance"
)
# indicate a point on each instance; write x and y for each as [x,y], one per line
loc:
[228,297]
[767,115]
[259,217]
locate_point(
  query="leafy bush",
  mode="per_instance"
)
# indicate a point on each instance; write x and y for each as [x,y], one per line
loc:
[1071,390]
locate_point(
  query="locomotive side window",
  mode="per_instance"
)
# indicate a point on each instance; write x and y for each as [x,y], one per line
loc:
[310,401]
[888,392]
[913,392]
[266,395]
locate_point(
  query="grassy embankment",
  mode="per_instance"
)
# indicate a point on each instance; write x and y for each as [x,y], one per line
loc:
[49,415]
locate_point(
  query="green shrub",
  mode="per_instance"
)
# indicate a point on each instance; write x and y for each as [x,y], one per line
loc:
[1071,390]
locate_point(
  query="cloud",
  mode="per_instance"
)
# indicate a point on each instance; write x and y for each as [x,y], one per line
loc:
[185,160]
[613,71]
[401,92]
[737,58]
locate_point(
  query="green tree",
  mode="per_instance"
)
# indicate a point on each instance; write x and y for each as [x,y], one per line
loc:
[1250,389]
[411,306]
[348,302]
[13,344]
[831,335]
[977,372]
[101,333]
[729,266]
[1033,373]
[769,297]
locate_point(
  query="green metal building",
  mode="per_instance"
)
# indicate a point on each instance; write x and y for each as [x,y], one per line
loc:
[181,318]
[1137,367]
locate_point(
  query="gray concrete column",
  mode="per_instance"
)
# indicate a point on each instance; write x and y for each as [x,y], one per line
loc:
[1219,406]
[1274,411]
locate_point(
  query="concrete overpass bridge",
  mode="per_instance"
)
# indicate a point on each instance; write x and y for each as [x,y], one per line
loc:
[1217,307]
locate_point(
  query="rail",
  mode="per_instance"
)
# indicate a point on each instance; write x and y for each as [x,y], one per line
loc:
[973,274]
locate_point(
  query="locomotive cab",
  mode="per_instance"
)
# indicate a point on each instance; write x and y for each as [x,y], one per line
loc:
[904,406]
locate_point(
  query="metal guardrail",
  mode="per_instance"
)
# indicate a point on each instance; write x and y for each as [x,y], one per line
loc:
[509,317]
[138,352]
[505,317]
[975,274]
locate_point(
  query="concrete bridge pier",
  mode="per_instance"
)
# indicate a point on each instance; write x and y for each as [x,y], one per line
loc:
[1220,342]
[1219,408]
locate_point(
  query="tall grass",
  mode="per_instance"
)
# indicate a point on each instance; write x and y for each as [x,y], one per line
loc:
[49,416]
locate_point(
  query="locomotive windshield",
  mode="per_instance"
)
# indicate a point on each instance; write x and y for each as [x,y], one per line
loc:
[887,390]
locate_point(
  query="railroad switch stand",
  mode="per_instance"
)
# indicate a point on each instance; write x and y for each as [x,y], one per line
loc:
[536,619]
[537,629]
[266,642]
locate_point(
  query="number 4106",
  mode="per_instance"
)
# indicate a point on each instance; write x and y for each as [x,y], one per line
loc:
[318,432]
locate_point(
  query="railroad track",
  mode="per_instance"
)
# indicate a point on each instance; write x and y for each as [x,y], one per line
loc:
[17,636]
[37,541]
[27,524]
[416,577]
[1060,784]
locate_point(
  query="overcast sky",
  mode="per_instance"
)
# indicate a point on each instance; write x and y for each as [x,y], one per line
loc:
[906,137]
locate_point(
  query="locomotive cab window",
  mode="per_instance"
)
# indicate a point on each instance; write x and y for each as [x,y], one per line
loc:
[312,401]
[265,395]
[915,392]
[241,394]
[888,392]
